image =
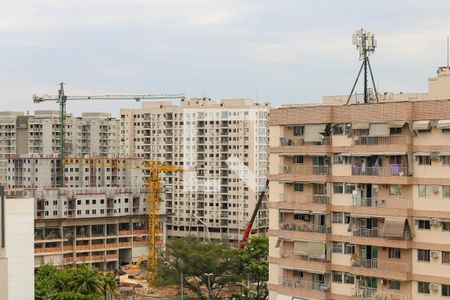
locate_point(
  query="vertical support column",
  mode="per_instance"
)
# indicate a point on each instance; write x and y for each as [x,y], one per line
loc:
[2,217]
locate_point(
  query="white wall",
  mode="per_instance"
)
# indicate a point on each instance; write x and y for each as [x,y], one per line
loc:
[19,227]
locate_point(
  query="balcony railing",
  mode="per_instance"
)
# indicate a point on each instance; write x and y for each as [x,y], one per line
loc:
[291,255]
[301,142]
[364,232]
[304,199]
[305,227]
[305,285]
[374,294]
[382,140]
[392,170]
[382,203]
[381,265]
[301,169]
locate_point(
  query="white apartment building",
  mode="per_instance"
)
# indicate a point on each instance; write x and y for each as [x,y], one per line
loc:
[16,248]
[224,142]
[99,217]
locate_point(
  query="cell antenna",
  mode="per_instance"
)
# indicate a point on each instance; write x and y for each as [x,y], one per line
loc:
[365,44]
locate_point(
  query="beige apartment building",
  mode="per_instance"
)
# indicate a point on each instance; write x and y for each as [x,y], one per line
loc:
[224,144]
[360,199]
[99,217]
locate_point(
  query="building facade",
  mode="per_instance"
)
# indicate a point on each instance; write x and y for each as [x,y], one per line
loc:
[359,201]
[224,142]
[99,217]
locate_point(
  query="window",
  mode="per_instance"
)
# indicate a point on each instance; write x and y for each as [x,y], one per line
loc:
[297,273]
[424,160]
[336,247]
[395,190]
[349,188]
[341,129]
[298,159]
[445,290]
[339,159]
[423,255]
[424,190]
[423,287]
[446,191]
[338,188]
[87,212]
[445,257]
[87,202]
[298,187]
[394,284]
[424,224]
[395,130]
[445,226]
[445,160]
[349,249]
[94,201]
[349,278]
[394,253]
[337,277]
[338,218]
[299,130]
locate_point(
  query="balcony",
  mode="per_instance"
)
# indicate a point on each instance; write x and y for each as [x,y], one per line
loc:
[289,254]
[364,232]
[374,294]
[392,170]
[305,199]
[382,203]
[384,265]
[300,142]
[306,285]
[300,169]
[381,140]
[305,227]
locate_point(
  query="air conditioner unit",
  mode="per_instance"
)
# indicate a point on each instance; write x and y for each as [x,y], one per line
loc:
[434,222]
[434,287]
[434,254]
[435,189]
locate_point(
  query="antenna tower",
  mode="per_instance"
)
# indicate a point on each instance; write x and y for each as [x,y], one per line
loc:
[365,44]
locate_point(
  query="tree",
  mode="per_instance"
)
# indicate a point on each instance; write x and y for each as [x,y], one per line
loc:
[205,266]
[254,264]
[108,284]
[86,280]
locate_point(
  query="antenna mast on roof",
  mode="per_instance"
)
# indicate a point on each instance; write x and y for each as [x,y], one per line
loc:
[447,53]
[365,44]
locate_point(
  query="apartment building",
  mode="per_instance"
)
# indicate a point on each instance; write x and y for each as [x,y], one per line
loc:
[99,217]
[16,248]
[91,134]
[359,199]
[224,142]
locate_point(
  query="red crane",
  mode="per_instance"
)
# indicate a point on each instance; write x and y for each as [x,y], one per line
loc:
[248,229]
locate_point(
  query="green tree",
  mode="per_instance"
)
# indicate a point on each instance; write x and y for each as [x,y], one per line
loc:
[86,280]
[205,266]
[255,266]
[108,284]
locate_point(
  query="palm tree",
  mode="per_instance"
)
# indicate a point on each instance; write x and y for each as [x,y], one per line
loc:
[109,284]
[87,281]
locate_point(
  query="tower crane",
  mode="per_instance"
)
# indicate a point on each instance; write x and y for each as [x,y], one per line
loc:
[154,168]
[61,99]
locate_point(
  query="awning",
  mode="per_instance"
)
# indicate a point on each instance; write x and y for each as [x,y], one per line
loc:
[312,133]
[379,129]
[360,125]
[316,249]
[278,244]
[302,212]
[421,125]
[396,124]
[444,154]
[301,248]
[394,227]
[286,211]
[422,154]
[443,124]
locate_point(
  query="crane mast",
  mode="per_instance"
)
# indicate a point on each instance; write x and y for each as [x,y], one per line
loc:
[62,98]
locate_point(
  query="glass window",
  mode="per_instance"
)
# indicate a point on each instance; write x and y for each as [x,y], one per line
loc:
[349,278]
[349,249]
[423,287]
[338,218]
[394,284]
[423,255]
[445,257]
[298,159]
[336,247]
[395,130]
[445,291]
[446,160]
[394,253]
[424,224]
[424,160]
[423,190]
[395,190]
[445,226]
[446,191]
[349,188]
[298,187]
[338,188]
[299,130]
[337,277]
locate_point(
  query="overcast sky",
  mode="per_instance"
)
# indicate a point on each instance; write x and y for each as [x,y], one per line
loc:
[273,51]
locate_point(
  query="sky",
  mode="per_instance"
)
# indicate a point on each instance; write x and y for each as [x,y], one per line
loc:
[285,51]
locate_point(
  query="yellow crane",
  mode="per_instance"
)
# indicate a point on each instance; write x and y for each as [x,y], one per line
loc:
[154,169]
